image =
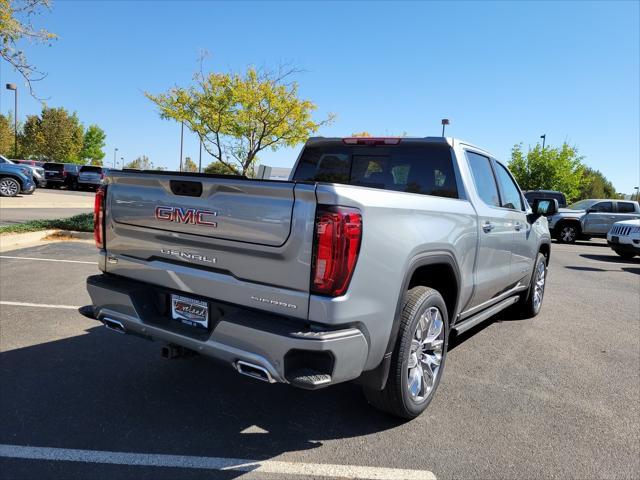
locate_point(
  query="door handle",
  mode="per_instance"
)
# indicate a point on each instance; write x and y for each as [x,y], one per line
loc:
[518,226]
[487,227]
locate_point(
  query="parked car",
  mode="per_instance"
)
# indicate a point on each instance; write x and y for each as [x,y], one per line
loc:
[61,174]
[91,176]
[624,238]
[37,173]
[15,179]
[531,195]
[590,218]
[34,163]
[357,268]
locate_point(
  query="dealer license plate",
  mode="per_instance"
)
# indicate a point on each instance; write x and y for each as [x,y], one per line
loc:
[190,311]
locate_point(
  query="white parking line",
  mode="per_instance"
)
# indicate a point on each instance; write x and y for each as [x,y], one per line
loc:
[48,259]
[213,463]
[39,305]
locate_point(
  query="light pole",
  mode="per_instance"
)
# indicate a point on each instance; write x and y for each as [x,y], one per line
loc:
[637,189]
[543,137]
[200,156]
[14,87]
[445,121]
[181,142]
[115,151]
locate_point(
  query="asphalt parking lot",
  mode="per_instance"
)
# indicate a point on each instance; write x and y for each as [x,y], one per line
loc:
[45,204]
[553,397]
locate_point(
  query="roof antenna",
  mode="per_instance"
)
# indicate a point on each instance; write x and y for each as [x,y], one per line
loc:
[445,122]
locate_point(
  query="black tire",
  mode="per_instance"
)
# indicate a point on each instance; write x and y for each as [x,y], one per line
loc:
[9,187]
[396,397]
[623,254]
[568,232]
[527,306]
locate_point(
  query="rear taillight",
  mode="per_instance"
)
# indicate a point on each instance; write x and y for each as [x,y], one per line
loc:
[98,216]
[336,246]
[64,173]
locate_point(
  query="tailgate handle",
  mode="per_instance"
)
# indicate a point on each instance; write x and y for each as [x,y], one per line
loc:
[186,188]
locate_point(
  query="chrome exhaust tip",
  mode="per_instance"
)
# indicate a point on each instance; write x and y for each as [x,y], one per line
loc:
[254,371]
[114,325]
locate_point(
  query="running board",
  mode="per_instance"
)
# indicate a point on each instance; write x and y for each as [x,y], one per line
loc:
[483,315]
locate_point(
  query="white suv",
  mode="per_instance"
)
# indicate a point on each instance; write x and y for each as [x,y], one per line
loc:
[624,238]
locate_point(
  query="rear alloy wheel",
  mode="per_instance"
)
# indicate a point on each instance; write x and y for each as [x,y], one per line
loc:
[9,187]
[568,232]
[417,361]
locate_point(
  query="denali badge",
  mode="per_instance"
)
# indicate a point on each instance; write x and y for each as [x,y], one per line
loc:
[188,256]
[273,302]
[193,216]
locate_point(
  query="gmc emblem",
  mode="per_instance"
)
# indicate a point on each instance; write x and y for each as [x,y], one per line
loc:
[193,216]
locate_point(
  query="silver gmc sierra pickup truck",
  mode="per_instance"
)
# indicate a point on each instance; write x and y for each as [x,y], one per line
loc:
[358,267]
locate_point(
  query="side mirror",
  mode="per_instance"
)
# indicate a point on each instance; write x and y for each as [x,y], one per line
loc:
[545,206]
[591,210]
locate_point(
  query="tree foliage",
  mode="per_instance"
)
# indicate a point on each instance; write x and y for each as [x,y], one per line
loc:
[140,163]
[239,115]
[220,168]
[92,144]
[15,27]
[189,165]
[595,185]
[6,136]
[549,169]
[54,135]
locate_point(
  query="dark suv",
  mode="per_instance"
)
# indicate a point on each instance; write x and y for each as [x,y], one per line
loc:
[61,175]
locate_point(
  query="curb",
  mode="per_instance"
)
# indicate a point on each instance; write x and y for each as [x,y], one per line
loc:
[13,241]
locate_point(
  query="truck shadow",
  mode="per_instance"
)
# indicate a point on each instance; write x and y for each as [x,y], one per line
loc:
[98,392]
[613,258]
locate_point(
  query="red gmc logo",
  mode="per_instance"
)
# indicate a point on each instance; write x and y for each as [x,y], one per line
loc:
[193,216]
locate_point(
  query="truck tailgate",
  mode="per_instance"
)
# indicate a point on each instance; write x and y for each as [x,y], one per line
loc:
[238,240]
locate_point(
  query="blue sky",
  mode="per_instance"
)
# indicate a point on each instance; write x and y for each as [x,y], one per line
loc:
[503,72]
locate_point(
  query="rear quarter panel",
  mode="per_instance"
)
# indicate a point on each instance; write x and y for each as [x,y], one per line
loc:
[397,227]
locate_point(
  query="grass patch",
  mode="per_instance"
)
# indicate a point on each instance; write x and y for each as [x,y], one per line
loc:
[78,223]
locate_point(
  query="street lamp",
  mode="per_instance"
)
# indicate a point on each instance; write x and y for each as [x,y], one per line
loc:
[637,189]
[181,142]
[200,157]
[445,121]
[115,151]
[543,137]
[14,87]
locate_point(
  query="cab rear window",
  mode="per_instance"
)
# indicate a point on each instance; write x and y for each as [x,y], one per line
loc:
[425,168]
[89,168]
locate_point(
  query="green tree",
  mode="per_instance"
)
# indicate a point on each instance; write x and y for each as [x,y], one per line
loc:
[189,165]
[15,27]
[595,185]
[220,168]
[239,115]
[92,144]
[54,135]
[140,163]
[549,169]
[6,136]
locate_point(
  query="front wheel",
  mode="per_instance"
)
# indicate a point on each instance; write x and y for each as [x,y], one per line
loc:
[417,361]
[9,187]
[530,304]
[568,233]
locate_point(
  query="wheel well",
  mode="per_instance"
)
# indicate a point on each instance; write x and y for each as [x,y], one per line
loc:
[8,175]
[442,278]
[569,220]
[545,249]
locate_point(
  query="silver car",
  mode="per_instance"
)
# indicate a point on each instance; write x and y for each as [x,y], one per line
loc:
[591,218]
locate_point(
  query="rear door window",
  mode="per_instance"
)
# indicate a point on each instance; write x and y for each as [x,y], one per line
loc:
[626,207]
[425,169]
[483,178]
[89,168]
